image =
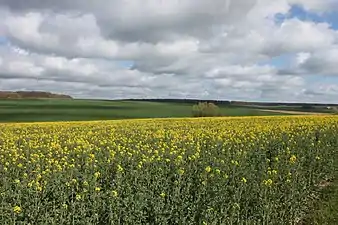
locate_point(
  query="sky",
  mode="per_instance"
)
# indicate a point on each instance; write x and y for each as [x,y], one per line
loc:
[251,50]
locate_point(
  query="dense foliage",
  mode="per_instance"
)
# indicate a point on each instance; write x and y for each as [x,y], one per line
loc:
[168,171]
[205,109]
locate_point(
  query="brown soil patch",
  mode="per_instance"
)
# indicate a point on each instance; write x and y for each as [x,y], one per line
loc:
[293,112]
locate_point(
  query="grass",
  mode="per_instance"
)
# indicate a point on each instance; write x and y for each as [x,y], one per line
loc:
[327,212]
[79,110]
[325,209]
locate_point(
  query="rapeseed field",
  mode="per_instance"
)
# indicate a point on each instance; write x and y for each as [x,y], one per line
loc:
[250,170]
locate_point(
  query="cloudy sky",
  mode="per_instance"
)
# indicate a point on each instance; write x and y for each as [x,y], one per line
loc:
[255,50]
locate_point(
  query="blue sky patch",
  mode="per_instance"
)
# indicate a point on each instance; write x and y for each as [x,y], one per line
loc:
[280,62]
[299,12]
[326,80]
[126,64]
[3,40]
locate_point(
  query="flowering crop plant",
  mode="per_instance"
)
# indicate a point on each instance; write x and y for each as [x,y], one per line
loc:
[249,170]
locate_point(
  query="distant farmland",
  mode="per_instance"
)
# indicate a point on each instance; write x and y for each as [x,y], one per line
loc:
[34,110]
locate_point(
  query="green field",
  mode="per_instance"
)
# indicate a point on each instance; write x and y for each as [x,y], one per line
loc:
[78,110]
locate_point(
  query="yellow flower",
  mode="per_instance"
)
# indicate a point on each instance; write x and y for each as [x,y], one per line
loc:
[30,184]
[208,169]
[119,168]
[139,165]
[97,174]
[78,197]
[235,162]
[268,182]
[39,188]
[181,171]
[97,189]
[114,193]
[244,180]
[17,209]
[162,194]
[293,159]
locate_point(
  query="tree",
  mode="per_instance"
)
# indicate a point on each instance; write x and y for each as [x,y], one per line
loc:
[205,109]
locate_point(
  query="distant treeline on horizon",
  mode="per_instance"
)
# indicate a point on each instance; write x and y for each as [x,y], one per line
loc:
[31,95]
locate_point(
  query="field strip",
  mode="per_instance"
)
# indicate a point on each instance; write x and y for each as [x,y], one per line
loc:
[293,112]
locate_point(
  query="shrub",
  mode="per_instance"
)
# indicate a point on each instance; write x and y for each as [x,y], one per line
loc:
[205,109]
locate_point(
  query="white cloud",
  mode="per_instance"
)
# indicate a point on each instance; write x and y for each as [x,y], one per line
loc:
[302,57]
[177,48]
[295,35]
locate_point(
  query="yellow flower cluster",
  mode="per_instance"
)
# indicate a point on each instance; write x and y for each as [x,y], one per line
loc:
[107,161]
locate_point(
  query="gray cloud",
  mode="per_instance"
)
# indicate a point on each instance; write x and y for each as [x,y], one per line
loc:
[322,62]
